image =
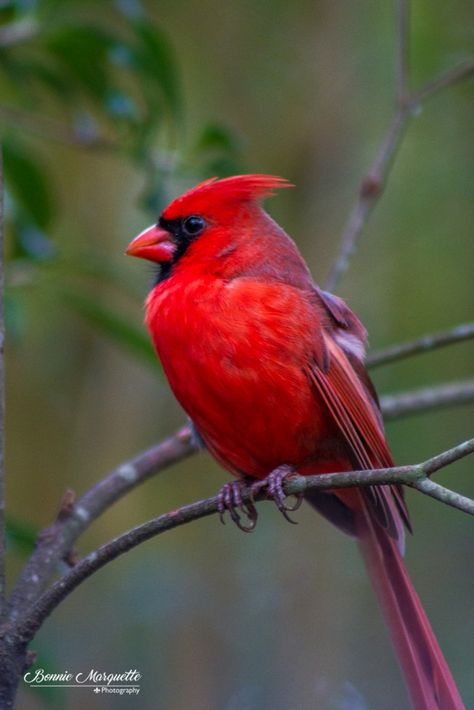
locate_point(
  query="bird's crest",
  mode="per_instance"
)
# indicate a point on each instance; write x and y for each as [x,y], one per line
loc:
[227,191]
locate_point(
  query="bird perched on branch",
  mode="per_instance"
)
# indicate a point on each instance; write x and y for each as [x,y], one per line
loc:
[270,368]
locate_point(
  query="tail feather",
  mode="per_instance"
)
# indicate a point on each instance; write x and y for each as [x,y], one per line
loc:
[428,678]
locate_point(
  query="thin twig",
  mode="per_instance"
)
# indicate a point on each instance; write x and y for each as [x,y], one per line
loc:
[2,404]
[373,184]
[458,73]
[55,543]
[435,463]
[426,343]
[415,476]
[444,495]
[403,53]
[371,189]
[395,406]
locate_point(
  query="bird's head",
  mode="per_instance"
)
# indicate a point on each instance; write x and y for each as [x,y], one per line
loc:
[210,208]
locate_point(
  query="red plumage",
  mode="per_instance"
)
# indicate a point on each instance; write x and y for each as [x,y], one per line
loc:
[270,370]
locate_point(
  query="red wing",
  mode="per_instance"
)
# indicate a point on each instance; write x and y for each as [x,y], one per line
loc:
[340,314]
[357,417]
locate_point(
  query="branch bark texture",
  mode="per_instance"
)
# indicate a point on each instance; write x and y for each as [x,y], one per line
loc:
[416,476]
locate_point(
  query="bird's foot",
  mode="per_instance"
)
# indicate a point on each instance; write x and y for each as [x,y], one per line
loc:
[274,485]
[230,498]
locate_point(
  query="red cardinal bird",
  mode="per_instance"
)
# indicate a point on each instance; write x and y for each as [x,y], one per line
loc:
[270,369]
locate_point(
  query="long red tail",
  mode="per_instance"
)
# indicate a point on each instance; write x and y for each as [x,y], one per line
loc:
[428,678]
[377,516]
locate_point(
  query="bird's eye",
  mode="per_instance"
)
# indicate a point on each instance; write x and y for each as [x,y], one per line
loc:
[193,225]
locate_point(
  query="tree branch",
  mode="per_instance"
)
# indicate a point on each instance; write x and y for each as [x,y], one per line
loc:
[415,476]
[424,344]
[370,190]
[372,186]
[55,543]
[400,405]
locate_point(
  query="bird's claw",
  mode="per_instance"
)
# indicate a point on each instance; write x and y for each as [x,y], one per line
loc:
[230,498]
[274,485]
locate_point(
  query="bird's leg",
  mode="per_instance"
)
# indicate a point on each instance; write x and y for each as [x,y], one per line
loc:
[230,498]
[274,485]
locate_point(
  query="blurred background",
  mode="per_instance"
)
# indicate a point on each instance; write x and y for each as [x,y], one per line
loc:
[107,111]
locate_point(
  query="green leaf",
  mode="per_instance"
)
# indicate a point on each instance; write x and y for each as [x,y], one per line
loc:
[28,183]
[47,9]
[217,151]
[41,74]
[82,50]
[216,137]
[154,57]
[114,326]
[8,12]
[21,533]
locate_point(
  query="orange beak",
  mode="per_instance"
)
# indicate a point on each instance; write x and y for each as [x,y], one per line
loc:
[154,243]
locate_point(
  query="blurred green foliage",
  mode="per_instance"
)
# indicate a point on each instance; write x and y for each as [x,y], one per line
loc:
[108,110]
[108,83]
